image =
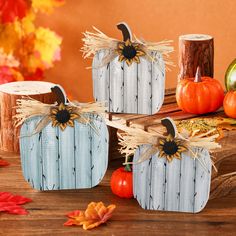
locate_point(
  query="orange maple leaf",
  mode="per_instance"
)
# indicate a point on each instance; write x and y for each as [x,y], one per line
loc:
[95,214]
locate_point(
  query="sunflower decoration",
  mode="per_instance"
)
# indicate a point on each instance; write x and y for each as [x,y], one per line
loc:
[129,52]
[63,116]
[171,148]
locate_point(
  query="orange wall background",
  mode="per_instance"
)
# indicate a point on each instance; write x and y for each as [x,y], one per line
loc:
[153,20]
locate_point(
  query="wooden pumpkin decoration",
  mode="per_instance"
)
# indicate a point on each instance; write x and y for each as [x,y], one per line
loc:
[230,104]
[172,179]
[200,95]
[65,148]
[130,74]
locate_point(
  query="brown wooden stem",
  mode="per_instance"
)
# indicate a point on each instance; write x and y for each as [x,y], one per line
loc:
[125,31]
[170,126]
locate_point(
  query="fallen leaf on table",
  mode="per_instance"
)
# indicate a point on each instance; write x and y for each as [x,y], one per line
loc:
[11,203]
[3,163]
[95,214]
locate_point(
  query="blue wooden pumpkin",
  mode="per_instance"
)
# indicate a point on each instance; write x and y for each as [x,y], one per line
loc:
[172,180]
[71,159]
[69,151]
[137,88]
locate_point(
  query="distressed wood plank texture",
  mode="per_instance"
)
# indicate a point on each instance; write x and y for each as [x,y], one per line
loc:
[70,159]
[137,89]
[163,184]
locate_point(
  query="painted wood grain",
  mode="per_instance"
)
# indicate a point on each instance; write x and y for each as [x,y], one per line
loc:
[99,149]
[100,75]
[50,156]
[130,88]
[67,158]
[144,87]
[181,185]
[158,82]
[138,88]
[116,99]
[71,159]
[83,161]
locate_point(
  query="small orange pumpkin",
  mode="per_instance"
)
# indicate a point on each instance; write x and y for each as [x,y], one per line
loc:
[199,95]
[230,104]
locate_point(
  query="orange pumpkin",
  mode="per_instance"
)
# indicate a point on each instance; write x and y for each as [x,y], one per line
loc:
[199,95]
[230,104]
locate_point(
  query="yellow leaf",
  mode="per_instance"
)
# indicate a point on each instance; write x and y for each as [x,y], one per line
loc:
[47,46]
[46,6]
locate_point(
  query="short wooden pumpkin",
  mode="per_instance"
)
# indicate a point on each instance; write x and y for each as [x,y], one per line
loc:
[180,185]
[73,158]
[129,84]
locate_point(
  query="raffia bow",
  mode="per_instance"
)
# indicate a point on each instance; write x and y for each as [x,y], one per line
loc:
[61,114]
[131,138]
[94,42]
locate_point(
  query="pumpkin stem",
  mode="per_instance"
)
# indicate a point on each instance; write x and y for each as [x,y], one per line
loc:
[60,94]
[126,32]
[170,126]
[198,77]
[128,166]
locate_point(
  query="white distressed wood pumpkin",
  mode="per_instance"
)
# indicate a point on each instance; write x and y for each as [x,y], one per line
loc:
[74,158]
[138,88]
[180,185]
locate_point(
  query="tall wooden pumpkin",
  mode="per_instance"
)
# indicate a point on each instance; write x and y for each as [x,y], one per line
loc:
[70,158]
[182,184]
[130,78]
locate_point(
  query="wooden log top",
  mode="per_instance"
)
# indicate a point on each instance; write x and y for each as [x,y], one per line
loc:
[26,87]
[195,37]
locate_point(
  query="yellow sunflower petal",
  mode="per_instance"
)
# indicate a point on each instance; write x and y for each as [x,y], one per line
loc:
[61,107]
[55,123]
[181,148]
[129,61]
[128,43]
[136,59]
[121,58]
[54,111]
[70,123]
[169,158]
[74,116]
[161,141]
[62,126]
[177,155]
[121,46]
[140,53]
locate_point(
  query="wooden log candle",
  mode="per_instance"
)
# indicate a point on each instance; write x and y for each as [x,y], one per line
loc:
[196,50]
[9,93]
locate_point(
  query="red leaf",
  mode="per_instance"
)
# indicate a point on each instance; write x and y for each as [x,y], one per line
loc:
[3,163]
[10,203]
[12,10]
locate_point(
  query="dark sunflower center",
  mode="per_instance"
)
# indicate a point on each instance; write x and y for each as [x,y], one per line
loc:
[170,147]
[63,116]
[129,52]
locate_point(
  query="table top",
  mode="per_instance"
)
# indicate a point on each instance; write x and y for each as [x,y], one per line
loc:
[47,211]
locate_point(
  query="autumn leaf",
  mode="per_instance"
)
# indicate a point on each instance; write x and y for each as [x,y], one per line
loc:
[47,46]
[11,203]
[46,6]
[12,10]
[9,38]
[95,215]
[3,163]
